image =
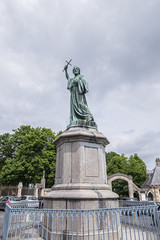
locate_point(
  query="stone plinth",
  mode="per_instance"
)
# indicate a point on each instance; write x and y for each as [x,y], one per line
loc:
[81,179]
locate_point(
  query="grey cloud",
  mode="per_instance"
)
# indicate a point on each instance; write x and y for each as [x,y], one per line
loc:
[116,44]
[146,145]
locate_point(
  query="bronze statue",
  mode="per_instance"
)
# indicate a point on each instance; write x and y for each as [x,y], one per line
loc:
[78,86]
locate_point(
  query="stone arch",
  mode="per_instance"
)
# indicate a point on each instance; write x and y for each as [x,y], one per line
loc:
[131,186]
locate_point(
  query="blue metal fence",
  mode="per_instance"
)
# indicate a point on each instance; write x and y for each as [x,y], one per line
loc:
[125,223]
[131,203]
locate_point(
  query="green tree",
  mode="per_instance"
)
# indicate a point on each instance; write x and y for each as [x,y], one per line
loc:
[6,148]
[110,155]
[31,151]
[137,169]
[133,166]
[120,187]
[117,164]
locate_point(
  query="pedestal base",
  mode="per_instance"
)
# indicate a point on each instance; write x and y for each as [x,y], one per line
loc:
[82,224]
[81,184]
[81,196]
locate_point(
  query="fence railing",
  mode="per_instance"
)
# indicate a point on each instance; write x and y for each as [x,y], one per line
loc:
[131,203]
[127,223]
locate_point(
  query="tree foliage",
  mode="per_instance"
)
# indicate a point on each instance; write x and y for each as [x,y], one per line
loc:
[6,148]
[120,187]
[133,166]
[109,156]
[117,164]
[28,151]
[137,169]
[25,154]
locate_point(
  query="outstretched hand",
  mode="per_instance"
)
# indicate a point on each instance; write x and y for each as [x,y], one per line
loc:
[66,67]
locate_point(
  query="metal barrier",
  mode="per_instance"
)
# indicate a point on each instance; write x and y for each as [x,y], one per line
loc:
[128,223]
[131,203]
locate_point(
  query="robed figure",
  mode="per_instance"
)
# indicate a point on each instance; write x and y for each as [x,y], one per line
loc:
[79,111]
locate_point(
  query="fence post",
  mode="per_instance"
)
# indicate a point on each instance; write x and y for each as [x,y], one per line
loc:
[20,186]
[36,191]
[6,222]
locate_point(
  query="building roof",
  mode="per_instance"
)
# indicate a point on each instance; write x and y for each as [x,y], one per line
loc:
[153,177]
[156,177]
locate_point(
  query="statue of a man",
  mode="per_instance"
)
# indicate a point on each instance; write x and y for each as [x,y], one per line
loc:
[79,111]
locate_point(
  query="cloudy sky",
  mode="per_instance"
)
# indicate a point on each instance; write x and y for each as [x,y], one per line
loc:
[117,46]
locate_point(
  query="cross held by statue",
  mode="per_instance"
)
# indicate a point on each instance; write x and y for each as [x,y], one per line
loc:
[68,63]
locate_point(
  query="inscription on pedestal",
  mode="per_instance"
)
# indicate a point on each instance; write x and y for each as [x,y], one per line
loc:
[59,163]
[92,162]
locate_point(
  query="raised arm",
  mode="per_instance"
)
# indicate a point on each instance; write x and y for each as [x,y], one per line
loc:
[65,68]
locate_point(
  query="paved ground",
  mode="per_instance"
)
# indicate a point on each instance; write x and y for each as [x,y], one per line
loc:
[1,221]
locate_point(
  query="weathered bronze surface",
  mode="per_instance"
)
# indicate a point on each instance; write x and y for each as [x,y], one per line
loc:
[79,111]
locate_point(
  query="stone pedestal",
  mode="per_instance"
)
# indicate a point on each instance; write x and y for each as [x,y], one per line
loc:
[81,179]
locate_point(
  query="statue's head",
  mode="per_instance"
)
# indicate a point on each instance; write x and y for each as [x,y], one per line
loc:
[76,70]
